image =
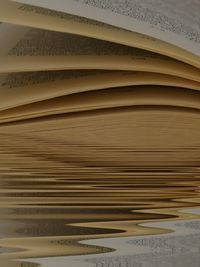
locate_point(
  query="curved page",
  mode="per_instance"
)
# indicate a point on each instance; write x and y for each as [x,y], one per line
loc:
[105,137]
[27,49]
[22,88]
[177,40]
[103,99]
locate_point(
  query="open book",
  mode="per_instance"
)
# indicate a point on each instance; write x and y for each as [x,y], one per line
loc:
[108,76]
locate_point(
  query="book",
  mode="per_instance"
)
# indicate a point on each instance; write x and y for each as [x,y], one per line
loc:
[109,76]
[99,133]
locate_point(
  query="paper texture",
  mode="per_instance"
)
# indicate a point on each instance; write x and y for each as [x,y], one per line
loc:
[16,13]
[175,22]
[104,99]
[23,88]
[39,50]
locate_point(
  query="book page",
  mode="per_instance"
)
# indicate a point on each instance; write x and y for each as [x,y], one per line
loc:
[23,88]
[103,99]
[105,129]
[176,22]
[39,50]
[10,36]
[16,13]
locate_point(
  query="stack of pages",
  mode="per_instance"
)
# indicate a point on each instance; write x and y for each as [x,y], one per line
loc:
[116,81]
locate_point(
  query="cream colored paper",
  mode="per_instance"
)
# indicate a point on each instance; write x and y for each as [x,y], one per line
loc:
[40,50]
[104,99]
[58,21]
[23,88]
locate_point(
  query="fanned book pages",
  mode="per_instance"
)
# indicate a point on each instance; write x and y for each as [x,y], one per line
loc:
[98,90]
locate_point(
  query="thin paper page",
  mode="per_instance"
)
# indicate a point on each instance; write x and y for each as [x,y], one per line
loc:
[101,99]
[33,16]
[23,88]
[39,50]
[10,36]
[176,22]
[116,128]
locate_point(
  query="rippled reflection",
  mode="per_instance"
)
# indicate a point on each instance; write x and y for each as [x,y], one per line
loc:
[51,199]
